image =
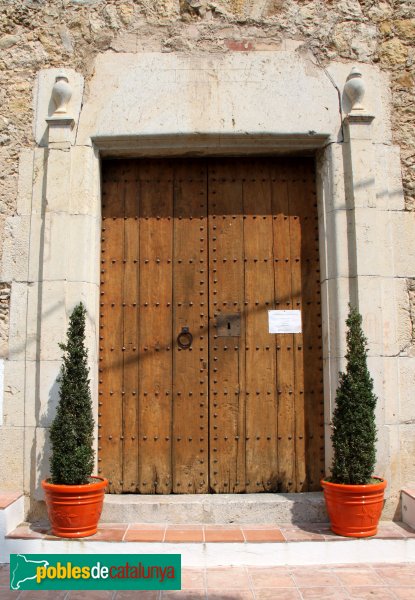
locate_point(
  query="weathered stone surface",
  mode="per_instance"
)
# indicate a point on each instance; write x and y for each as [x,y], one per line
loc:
[404,243]
[24,196]
[227,88]
[407,386]
[353,41]
[14,393]
[44,105]
[4,318]
[393,52]
[8,41]
[220,508]
[405,28]
[17,321]
[16,249]
[407,439]
[11,452]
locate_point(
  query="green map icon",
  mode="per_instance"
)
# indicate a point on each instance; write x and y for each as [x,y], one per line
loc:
[23,570]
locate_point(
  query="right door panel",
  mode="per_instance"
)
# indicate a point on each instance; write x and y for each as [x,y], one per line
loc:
[266,390]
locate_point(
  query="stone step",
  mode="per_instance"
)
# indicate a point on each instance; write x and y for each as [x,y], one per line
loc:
[222,545]
[306,507]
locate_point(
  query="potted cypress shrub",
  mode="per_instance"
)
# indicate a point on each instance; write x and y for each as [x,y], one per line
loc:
[354,497]
[74,497]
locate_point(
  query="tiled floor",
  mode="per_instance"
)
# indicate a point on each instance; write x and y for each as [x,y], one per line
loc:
[139,532]
[7,498]
[340,582]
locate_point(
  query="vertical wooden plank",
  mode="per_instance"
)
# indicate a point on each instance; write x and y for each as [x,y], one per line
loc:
[227,354]
[296,209]
[155,344]
[110,420]
[130,309]
[312,336]
[190,301]
[261,412]
[283,342]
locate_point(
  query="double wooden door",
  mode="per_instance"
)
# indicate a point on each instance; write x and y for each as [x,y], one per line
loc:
[195,394]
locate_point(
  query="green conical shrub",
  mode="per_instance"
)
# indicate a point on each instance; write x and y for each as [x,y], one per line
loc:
[71,432]
[354,427]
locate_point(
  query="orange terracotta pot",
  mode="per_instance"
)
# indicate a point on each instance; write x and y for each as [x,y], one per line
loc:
[74,510]
[354,510]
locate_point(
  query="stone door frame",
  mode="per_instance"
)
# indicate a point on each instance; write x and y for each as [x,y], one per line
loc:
[54,254]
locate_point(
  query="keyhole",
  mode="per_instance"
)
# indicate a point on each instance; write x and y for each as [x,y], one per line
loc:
[229,325]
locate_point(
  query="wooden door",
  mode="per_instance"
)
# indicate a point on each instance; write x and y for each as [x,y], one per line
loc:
[206,247]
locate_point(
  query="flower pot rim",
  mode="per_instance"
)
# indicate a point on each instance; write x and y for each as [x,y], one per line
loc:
[100,483]
[382,483]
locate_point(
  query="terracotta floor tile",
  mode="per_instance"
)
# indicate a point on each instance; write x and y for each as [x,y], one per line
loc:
[224,594]
[222,526]
[8,595]
[227,578]
[316,593]
[144,535]
[137,595]
[147,526]
[90,595]
[357,576]
[270,578]
[184,526]
[108,534]
[294,533]
[26,531]
[4,576]
[397,575]
[224,535]
[263,535]
[280,594]
[404,593]
[183,535]
[7,498]
[315,578]
[185,594]
[311,527]
[370,593]
[193,579]
[273,570]
[330,536]
[43,595]
[258,526]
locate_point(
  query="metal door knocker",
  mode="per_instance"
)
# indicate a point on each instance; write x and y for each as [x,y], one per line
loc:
[185,338]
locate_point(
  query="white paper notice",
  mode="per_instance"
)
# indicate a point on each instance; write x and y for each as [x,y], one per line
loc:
[284,321]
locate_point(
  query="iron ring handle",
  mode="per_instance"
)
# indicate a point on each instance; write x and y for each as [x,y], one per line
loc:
[185,338]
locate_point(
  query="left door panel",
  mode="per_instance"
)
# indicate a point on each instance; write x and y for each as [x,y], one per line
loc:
[135,378]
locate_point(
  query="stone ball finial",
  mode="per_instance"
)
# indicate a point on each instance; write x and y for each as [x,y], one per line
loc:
[61,93]
[355,89]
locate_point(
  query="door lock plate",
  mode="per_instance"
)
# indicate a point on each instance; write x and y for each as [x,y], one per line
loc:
[228,325]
